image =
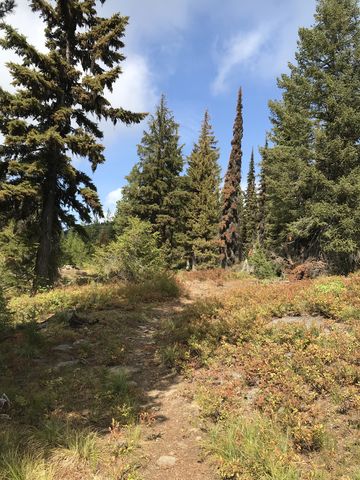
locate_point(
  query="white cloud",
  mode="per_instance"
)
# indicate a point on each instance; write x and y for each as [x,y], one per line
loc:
[112,198]
[30,25]
[240,49]
[135,89]
[267,48]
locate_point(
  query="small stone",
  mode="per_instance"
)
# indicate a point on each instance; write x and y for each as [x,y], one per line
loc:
[81,341]
[68,363]
[166,461]
[123,369]
[154,436]
[198,439]
[63,348]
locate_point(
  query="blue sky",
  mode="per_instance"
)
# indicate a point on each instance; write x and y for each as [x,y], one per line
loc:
[197,52]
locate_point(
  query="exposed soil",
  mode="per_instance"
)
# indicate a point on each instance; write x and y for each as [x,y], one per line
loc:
[170,447]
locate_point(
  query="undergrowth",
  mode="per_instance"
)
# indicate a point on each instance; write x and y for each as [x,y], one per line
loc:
[95,296]
[298,380]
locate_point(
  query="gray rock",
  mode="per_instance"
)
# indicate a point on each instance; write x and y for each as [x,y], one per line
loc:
[65,347]
[81,341]
[68,363]
[123,369]
[166,461]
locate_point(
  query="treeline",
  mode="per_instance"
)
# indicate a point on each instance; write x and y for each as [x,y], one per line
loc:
[305,202]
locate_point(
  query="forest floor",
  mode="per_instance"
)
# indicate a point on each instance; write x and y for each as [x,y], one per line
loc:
[235,379]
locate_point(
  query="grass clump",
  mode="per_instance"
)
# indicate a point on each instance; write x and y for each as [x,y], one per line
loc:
[17,466]
[253,448]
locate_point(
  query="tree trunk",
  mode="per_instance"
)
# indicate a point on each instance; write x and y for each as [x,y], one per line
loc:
[45,267]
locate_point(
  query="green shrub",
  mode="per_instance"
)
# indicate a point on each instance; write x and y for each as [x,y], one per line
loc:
[17,257]
[74,251]
[262,266]
[4,313]
[134,256]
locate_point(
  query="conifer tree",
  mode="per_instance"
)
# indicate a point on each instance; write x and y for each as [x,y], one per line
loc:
[313,176]
[53,116]
[229,223]
[6,7]
[250,220]
[203,207]
[262,197]
[154,192]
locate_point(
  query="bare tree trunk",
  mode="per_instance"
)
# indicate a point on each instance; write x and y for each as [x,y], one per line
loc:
[45,267]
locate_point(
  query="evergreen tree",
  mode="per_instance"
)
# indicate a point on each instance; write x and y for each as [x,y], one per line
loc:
[50,118]
[203,208]
[250,220]
[229,224]
[6,7]
[313,176]
[154,192]
[262,198]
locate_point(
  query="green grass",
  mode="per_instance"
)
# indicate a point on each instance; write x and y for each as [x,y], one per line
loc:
[17,466]
[253,448]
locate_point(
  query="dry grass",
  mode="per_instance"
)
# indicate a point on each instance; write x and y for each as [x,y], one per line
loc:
[95,296]
[63,418]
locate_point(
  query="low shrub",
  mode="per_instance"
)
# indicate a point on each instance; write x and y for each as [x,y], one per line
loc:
[87,297]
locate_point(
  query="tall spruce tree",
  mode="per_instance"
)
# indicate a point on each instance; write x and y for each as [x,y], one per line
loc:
[262,197]
[203,208]
[51,118]
[314,167]
[250,220]
[229,223]
[155,189]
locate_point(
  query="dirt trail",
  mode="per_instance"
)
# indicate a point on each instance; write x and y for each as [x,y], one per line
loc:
[170,447]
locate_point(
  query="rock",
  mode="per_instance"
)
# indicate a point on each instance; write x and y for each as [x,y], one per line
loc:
[4,402]
[166,461]
[68,363]
[63,348]
[81,341]
[154,436]
[123,370]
